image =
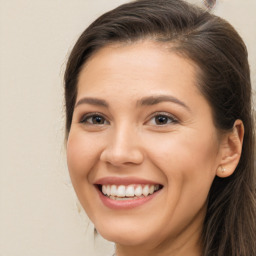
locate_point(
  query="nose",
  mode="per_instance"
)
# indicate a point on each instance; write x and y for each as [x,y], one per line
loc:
[123,148]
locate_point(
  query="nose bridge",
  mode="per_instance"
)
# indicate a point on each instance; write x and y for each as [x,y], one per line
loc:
[123,146]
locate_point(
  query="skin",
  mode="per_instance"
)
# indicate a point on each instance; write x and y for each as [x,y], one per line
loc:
[182,154]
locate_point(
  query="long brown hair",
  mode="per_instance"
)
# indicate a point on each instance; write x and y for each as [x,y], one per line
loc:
[224,79]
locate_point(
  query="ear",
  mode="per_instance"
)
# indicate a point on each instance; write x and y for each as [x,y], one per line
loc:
[230,150]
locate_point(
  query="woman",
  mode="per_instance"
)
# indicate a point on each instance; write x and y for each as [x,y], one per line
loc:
[160,131]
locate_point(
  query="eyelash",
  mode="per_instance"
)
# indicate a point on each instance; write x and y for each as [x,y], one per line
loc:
[166,116]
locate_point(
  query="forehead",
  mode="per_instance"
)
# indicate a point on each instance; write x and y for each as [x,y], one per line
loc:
[140,65]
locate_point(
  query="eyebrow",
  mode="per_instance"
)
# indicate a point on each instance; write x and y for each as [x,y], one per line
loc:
[145,101]
[92,101]
[153,100]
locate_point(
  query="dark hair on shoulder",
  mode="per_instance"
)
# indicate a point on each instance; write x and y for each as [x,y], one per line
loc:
[223,78]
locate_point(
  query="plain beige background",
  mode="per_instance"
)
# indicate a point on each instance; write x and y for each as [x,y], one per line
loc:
[39,212]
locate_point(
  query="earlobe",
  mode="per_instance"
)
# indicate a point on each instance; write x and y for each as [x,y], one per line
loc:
[231,149]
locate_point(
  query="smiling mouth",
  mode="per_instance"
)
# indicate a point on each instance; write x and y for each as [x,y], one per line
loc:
[128,192]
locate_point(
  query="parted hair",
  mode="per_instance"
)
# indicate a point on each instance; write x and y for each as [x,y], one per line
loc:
[223,78]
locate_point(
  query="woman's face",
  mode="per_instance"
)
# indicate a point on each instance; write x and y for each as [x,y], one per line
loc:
[142,150]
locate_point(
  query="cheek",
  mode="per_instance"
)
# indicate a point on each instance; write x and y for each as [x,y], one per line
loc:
[81,159]
[81,154]
[188,162]
[183,150]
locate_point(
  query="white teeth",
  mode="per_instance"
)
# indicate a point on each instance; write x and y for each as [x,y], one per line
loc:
[135,190]
[129,191]
[145,190]
[151,189]
[108,190]
[113,190]
[121,191]
[138,191]
[104,190]
[122,198]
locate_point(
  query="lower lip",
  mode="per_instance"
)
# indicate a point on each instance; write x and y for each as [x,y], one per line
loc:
[125,204]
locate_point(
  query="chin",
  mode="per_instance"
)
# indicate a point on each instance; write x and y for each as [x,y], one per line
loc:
[125,237]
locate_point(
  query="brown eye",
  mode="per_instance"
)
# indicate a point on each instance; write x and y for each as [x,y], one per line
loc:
[98,120]
[162,119]
[94,120]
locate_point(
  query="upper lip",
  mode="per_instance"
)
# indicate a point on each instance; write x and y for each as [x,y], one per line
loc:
[112,180]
